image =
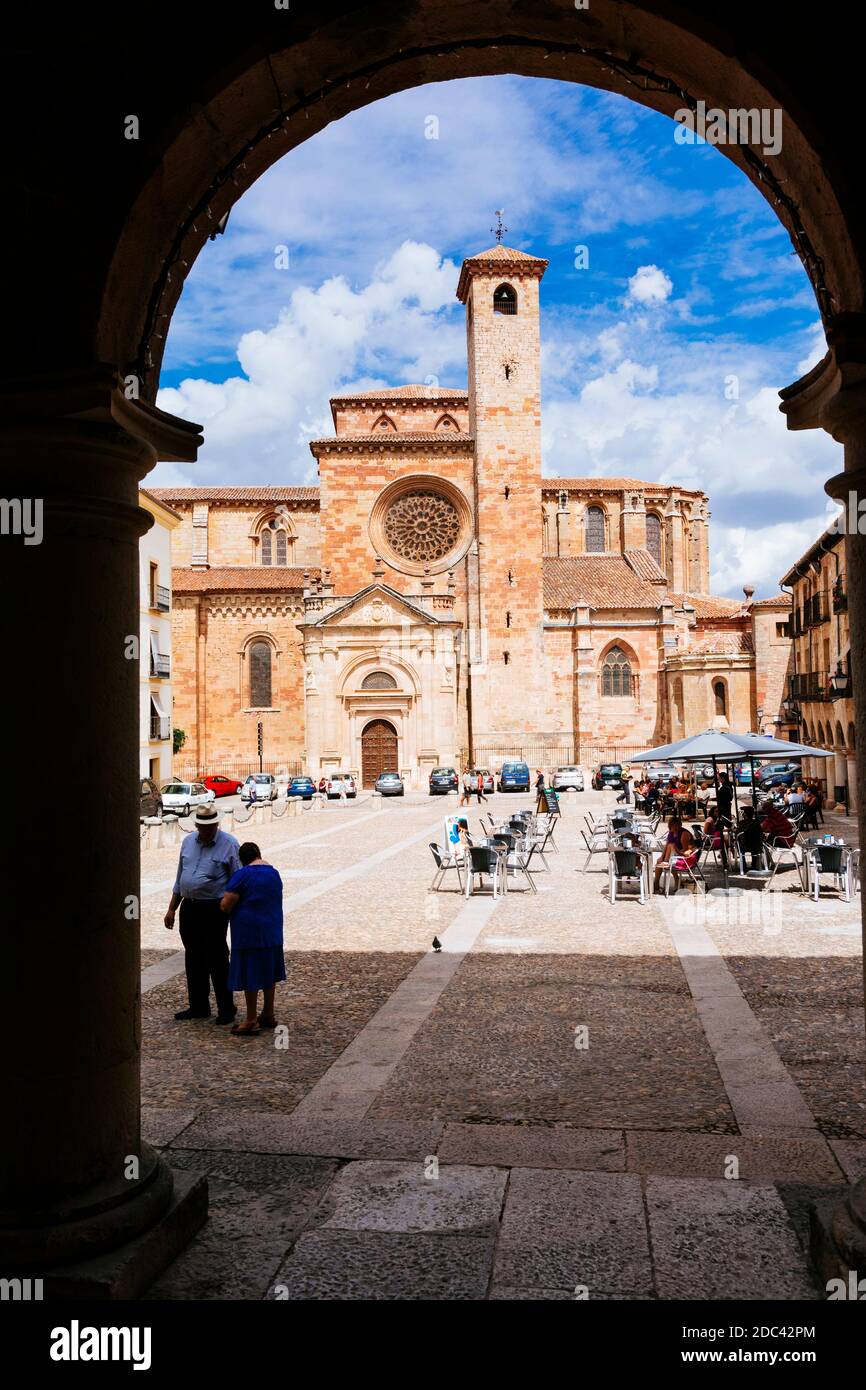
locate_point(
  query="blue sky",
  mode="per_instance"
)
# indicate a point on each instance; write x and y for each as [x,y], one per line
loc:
[662,360]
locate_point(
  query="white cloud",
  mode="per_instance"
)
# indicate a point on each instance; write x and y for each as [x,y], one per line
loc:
[649,285]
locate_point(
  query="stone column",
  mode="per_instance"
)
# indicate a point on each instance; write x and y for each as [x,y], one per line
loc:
[76,1179]
[833,397]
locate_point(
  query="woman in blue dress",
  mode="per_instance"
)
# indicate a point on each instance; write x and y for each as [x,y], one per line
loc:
[254,902]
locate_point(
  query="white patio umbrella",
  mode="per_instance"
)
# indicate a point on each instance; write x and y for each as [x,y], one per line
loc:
[717,746]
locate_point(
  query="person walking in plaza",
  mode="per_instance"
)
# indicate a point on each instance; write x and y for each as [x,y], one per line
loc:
[479,787]
[625,783]
[208,859]
[466,788]
[253,901]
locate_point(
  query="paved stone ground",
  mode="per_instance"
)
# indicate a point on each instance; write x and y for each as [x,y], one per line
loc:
[633,1100]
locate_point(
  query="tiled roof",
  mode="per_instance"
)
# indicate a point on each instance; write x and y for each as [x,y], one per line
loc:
[826,541]
[645,567]
[505,256]
[225,579]
[602,581]
[390,439]
[611,485]
[721,643]
[235,494]
[708,606]
[780,601]
[388,393]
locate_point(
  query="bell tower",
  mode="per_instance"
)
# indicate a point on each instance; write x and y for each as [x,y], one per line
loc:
[500,289]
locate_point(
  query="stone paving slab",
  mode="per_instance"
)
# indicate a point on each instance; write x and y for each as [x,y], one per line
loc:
[761,1160]
[251,1225]
[537,1146]
[162,1124]
[371,1265]
[561,1230]
[723,1240]
[851,1154]
[412,1197]
[403,1136]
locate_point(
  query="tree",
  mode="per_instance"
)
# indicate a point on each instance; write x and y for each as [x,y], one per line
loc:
[179,737]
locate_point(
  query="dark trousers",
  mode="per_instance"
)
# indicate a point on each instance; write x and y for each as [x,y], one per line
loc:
[625,794]
[203,931]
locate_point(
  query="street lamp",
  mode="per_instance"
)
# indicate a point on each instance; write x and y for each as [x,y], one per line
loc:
[839,682]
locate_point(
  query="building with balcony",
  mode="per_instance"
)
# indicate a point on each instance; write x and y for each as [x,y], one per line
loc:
[819,708]
[155,689]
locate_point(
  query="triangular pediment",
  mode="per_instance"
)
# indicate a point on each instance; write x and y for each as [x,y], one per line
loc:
[376,606]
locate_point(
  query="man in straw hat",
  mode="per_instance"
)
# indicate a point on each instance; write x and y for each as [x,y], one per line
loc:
[208,858]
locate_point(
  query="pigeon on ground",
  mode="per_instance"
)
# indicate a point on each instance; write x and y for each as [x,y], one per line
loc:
[437,944]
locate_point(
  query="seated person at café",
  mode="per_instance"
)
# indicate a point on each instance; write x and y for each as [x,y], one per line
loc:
[681,853]
[750,837]
[795,798]
[776,825]
[673,845]
[712,827]
[704,793]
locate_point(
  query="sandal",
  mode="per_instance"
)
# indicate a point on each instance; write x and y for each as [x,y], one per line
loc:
[246,1030]
[266,1022]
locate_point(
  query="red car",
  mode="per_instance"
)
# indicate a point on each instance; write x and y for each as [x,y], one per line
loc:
[222,786]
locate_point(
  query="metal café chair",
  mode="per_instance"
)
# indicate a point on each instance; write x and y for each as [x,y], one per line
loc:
[765,856]
[518,861]
[828,859]
[795,856]
[595,844]
[678,866]
[485,859]
[625,865]
[445,861]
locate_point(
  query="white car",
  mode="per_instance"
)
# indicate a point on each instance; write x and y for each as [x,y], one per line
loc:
[339,781]
[568,779]
[180,798]
[265,784]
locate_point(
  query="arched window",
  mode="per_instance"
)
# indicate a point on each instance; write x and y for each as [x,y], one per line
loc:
[446,422]
[384,422]
[616,678]
[274,543]
[678,701]
[594,530]
[720,696]
[379,680]
[260,675]
[654,537]
[840,737]
[504,300]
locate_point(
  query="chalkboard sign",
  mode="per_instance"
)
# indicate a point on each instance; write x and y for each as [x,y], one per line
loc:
[548,802]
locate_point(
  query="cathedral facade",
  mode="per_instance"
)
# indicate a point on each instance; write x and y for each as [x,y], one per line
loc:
[436,599]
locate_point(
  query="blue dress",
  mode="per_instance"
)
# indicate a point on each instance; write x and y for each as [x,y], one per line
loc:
[257,928]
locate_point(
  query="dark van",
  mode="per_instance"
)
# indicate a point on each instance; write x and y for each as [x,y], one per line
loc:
[514,777]
[607,775]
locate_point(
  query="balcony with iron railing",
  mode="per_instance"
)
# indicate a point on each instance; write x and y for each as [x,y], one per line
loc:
[160,667]
[820,611]
[160,726]
[160,598]
[840,596]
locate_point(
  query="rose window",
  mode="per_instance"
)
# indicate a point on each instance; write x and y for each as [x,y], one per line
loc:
[422,526]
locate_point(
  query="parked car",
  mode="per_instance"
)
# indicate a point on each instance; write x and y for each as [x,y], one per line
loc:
[607,775]
[568,779]
[770,773]
[181,797]
[301,786]
[489,782]
[514,777]
[151,799]
[265,784]
[222,786]
[742,774]
[389,784]
[442,781]
[337,782]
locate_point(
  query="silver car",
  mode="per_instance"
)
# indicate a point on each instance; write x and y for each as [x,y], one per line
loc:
[389,784]
[568,779]
[265,784]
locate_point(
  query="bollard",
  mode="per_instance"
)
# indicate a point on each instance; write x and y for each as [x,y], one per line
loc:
[152,838]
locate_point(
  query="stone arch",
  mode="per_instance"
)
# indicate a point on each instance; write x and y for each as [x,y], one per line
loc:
[366,663]
[505,299]
[197,168]
[840,737]
[821,742]
[618,671]
[595,529]
[852,737]
[655,532]
[379,680]
[272,537]
[721,702]
[385,422]
[446,422]
[259,671]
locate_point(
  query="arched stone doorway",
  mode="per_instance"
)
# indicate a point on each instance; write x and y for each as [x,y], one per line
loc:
[378,750]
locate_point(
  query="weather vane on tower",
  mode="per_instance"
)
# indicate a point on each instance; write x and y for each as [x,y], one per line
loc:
[499,228]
